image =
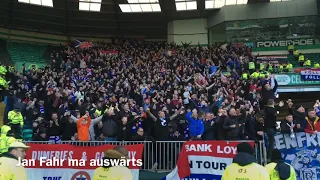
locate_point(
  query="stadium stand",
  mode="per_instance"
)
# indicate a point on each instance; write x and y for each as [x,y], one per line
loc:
[27,53]
[187,86]
[314,57]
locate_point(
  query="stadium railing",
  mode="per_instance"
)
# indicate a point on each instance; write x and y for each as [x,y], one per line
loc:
[157,156]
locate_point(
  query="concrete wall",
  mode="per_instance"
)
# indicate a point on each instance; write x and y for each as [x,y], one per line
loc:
[217,34]
[186,31]
[36,37]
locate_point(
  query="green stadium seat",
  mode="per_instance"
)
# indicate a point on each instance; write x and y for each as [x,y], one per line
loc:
[27,53]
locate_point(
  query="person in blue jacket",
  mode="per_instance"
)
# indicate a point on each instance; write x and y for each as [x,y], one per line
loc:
[196,126]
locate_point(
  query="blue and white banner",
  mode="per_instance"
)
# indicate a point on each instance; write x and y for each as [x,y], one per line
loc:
[302,152]
[310,75]
[199,160]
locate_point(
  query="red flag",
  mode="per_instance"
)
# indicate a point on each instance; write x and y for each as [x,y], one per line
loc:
[86,45]
[201,80]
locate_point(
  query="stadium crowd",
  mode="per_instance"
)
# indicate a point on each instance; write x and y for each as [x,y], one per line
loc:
[133,90]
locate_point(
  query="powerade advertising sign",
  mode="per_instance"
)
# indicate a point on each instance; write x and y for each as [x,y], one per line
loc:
[285,43]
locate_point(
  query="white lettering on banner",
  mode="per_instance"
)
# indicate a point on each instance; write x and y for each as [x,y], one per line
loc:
[216,168]
[131,155]
[208,165]
[199,147]
[309,77]
[50,154]
[310,72]
[227,150]
[299,42]
[283,141]
[284,79]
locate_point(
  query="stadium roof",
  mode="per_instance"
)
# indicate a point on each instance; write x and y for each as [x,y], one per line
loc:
[106,17]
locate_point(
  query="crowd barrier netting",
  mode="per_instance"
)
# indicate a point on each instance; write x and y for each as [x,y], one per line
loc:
[157,156]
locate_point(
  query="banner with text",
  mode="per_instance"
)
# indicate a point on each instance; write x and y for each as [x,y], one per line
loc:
[298,70]
[302,152]
[310,75]
[243,44]
[293,80]
[271,59]
[285,43]
[64,161]
[207,160]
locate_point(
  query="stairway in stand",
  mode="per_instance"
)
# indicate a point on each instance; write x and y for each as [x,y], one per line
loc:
[2,109]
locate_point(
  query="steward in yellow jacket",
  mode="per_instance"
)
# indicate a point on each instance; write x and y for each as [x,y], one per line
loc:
[3,70]
[278,169]
[244,166]
[108,172]
[16,119]
[9,168]
[6,142]
[4,130]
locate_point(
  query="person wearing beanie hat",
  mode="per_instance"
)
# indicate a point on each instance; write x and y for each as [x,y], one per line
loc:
[109,171]
[278,169]
[244,165]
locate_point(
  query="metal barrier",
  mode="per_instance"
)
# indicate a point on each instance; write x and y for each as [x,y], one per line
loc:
[157,156]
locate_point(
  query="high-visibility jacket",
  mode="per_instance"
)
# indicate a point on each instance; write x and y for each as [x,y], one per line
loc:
[281,67]
[255,75]
[244,76]
[35,66]
[291,47]
[98,112]
[301,58]
[252,171]
[261,66]
[316,65]
[307,63]
[289,66]
[252,65]
[263,74]
[3,70]
[296,53]
[11,69]
[270,68]
[15,117]
[274,175]
[3,82]
[9,169]
[114,173]
[5,143]
[4,130]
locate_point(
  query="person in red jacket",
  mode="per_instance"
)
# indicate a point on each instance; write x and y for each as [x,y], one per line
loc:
[313,124]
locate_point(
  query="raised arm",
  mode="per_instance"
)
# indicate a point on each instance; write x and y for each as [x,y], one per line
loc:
[151,115]
[74,118]
[176,114]
[96,120]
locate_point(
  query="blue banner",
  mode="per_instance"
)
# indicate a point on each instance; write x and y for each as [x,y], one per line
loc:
[310,77]
[302,152]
